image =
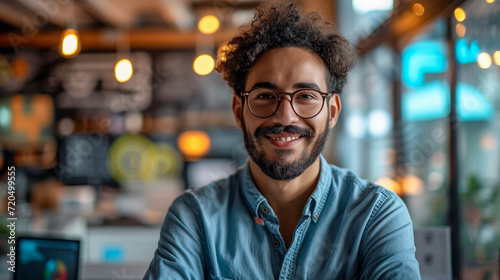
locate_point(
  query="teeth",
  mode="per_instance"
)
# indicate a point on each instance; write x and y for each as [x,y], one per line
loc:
[283,139]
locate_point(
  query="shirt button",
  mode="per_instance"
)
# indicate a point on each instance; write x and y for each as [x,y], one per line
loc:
[276,243]
[316,215]
[265,210]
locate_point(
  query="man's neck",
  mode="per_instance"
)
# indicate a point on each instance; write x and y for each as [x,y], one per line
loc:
[284,193]
[287,198]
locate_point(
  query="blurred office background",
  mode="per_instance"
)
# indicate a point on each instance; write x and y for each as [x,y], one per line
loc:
[100,154]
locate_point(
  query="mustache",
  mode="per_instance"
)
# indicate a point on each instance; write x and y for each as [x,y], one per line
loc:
[280,128]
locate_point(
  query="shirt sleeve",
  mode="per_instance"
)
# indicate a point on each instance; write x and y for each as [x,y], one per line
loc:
[388,248]
[179,254]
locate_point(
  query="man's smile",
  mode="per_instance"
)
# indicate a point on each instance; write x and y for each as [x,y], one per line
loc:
[284,139]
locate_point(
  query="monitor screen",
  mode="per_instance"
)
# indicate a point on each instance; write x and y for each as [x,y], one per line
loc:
[47,258]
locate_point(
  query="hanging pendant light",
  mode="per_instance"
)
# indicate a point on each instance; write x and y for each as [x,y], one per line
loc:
[70,42]
[123,70]
[123,67]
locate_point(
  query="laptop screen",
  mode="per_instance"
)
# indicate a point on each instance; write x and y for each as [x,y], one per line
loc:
[47,258]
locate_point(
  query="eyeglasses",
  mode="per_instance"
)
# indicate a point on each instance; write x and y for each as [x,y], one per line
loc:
[306,103]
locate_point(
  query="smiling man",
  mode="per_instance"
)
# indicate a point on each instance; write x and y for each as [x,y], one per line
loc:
[286,214]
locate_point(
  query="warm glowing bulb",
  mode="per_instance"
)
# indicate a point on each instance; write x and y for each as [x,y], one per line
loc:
[496,57]
[70,43]
[460,14]
[418,9]
[412,185]
[490,1]
[208,24]
[460,29]
[194,144]
[484,60]
[203,64]
[390,184]
[123,70]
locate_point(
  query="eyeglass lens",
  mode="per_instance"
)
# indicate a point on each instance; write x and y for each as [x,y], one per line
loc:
[306,103]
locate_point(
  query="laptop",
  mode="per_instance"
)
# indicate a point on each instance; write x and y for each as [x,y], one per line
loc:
[47,258]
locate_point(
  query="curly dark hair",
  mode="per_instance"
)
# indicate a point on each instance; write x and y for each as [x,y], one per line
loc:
[284,25]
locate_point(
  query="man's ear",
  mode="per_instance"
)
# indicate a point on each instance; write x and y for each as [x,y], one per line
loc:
[335,107]
[237,107]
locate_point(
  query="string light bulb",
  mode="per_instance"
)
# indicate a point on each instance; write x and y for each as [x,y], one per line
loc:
[460,29]
[496,57]
[208,24]
[484,60]
[418,9]
[69,45]
[123,70]
[460,14]
[203,64]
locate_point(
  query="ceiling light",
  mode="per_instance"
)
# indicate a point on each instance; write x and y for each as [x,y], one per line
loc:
[203,64]
[123,70]
[208,24]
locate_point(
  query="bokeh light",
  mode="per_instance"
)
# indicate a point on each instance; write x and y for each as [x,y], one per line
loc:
[488,142]
[20,67]
[460,14]
[460,29]
[194,144]
[5,117]
[203,64]
[412,185]
[66,126]
[208,24]
[484,60]
[123,70]
[379,122]
[356,125]
[389,184]
[69,46]
[496,57]
[418,9]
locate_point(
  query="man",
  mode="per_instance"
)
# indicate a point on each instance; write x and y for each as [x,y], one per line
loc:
[287,214]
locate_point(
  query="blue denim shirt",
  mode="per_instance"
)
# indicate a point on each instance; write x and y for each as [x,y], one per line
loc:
[350,229]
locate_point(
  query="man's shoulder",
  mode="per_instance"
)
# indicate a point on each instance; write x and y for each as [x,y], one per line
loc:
[348,180]
[358,197]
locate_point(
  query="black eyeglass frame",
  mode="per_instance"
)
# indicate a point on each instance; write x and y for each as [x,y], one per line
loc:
[291,94]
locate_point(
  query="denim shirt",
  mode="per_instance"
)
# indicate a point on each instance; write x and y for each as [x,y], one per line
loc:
[350,229]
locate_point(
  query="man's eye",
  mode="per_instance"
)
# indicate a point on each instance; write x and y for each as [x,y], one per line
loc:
[266,96]
[306,96]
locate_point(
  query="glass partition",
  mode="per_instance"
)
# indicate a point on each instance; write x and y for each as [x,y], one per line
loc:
[425,105]
[477,55]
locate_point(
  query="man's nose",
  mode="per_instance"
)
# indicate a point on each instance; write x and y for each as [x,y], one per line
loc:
[285,115]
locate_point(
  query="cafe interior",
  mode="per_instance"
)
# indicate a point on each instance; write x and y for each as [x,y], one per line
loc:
[109,109]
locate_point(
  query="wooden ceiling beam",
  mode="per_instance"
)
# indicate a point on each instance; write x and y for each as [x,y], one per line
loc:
[111,14]
[14,14]
[176,12]
[51,10]
[143,39]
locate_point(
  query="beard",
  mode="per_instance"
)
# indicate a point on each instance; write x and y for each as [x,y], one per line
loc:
[280,169]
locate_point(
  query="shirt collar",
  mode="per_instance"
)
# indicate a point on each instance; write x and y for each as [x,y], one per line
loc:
[314,205]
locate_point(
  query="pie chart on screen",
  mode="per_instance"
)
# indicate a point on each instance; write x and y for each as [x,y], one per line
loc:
[55,269]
